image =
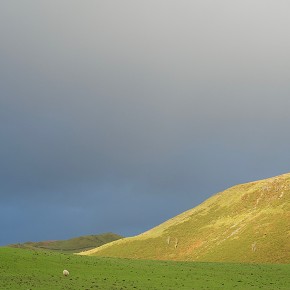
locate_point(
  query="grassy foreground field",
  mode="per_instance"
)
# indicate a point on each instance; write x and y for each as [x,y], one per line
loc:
[26,269]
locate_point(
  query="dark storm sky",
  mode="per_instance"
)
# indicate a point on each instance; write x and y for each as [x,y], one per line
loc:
[117,115]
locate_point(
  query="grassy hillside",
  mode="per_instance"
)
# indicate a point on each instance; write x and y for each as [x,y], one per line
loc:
[22,269]
[72,245]
[246,223]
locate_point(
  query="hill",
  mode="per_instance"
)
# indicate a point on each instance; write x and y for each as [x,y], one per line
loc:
[73,245]
[246,223]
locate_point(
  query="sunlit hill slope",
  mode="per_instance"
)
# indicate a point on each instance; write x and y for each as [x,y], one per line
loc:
[246,223]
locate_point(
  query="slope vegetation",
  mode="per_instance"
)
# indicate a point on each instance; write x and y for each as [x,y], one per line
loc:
[246,223]
[72,245]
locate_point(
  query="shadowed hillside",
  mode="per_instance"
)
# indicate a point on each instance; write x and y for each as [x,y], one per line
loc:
[72,245]
[246,223]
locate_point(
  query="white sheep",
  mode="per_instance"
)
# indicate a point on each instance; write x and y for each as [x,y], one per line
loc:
[65,272]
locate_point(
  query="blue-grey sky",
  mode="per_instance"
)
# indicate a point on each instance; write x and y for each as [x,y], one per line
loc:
[117,115]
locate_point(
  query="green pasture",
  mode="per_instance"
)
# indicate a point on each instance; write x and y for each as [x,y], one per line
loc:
[40,270]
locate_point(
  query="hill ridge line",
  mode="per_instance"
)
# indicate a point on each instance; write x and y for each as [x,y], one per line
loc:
[244,223]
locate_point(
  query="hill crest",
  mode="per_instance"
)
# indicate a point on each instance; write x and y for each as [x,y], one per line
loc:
[246,223]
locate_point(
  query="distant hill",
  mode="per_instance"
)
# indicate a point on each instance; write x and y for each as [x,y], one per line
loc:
[73,245]
[246,223]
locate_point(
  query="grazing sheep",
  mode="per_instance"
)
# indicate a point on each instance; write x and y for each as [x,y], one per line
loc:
[65,272]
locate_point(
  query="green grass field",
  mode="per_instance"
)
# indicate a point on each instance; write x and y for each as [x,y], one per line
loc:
[40,270]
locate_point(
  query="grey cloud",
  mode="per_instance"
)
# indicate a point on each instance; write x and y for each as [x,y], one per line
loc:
[159,103]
